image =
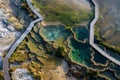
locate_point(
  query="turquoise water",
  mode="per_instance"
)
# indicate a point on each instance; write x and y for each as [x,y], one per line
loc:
[52,32]
[81,52]
[99,59]
[109,74]
[116,70]
[81,32]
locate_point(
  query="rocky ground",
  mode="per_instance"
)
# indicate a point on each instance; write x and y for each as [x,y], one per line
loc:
[11,24]
[108,24]
[21,74]
[44,52]
[76,4]
[8,33]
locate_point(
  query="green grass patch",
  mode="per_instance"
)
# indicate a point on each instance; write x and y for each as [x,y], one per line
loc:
[54,11]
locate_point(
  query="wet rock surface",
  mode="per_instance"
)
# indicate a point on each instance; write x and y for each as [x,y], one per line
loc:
[108,24]
[60,53]
[21,74]
[8,33]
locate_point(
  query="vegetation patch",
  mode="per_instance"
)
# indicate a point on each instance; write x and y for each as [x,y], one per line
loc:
[20,54]
[54,11]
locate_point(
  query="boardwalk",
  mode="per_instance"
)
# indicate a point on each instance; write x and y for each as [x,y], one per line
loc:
[14,46]
[33,9]
[92,36]
[40,18]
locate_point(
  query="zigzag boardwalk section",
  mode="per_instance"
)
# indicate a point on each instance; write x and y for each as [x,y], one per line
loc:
[33,9]
[92,37]
[14,46]
[40,18]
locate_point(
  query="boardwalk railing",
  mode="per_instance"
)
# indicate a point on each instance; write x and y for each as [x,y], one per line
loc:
[92,36]
[40,18]
[14,46]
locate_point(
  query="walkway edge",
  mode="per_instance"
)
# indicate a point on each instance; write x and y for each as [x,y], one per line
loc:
[92,36]
[14,46]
